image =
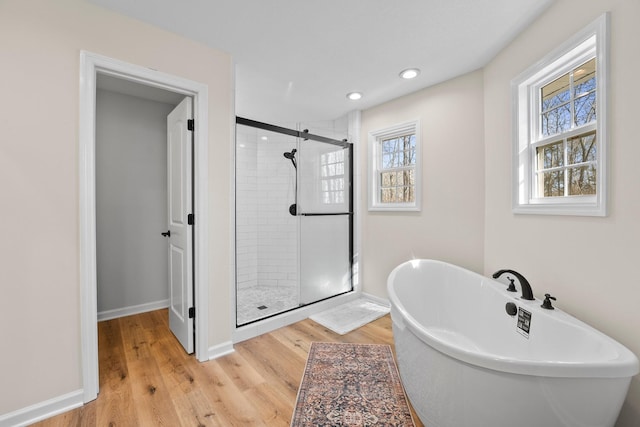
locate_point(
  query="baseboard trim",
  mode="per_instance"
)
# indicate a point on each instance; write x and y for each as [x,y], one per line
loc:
[133,309]
[382,301]
[220,350]
[43,410]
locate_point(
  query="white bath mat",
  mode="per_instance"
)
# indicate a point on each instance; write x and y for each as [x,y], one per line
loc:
[347,317]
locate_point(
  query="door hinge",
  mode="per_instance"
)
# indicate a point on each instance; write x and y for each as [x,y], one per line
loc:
[190,219]
[192,312]
[191,124]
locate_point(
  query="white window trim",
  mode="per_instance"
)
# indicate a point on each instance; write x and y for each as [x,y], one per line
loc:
[374,157]
[525,97]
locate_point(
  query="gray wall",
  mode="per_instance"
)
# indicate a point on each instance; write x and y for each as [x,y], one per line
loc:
[131,184]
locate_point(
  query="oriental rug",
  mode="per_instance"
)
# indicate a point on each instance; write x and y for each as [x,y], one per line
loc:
[351,385]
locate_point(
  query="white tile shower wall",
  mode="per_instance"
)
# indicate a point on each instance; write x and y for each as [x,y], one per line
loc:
[266,234]
[277,230]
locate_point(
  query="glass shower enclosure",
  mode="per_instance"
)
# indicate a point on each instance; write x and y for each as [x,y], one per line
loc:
[294,219]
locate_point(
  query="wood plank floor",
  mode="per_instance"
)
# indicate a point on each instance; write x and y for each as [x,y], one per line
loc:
[146,378]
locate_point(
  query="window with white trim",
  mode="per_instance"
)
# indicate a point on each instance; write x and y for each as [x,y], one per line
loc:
[560,129]
[394,159]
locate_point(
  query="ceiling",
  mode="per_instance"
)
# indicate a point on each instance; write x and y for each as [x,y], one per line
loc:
[296,60]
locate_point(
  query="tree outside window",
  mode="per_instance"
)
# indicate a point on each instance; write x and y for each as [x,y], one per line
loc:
[567,166]
[397,171]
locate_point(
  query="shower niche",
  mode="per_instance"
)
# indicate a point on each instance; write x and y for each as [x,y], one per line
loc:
[294,219]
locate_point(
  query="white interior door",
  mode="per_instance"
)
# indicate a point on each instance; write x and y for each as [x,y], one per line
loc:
[179,152]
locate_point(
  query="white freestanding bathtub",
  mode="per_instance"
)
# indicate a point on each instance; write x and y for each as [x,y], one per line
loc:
[465,363]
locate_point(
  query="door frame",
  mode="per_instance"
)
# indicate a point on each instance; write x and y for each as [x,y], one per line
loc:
[90,65]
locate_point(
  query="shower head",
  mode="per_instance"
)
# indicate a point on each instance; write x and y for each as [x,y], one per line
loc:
[291,156]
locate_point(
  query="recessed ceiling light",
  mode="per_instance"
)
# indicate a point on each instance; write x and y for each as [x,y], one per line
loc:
[264,138]
[354,96]
[409,73]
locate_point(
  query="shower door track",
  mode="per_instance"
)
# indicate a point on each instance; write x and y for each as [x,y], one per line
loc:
[297,133]
[326,214]
[289,310]
[305,135]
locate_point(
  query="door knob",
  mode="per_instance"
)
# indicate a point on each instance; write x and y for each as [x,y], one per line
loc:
[167,233]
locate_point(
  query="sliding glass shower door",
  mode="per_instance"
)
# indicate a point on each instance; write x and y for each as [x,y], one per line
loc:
[325,211]
[294,221]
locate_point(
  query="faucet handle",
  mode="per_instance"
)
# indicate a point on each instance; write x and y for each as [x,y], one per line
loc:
[547,302]
[512,287]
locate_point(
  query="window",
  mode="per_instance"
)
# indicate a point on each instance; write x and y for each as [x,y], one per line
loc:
[560,129]
[394,155]
[332,177]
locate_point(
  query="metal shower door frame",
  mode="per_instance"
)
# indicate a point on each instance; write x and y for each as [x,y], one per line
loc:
[305,135]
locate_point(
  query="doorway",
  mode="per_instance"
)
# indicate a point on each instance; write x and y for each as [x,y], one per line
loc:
[133,213]
[131,199]
[93,65]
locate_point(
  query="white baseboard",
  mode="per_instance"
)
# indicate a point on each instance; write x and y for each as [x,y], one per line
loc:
[40,411]
[220,350]
[133,309]
[374,298]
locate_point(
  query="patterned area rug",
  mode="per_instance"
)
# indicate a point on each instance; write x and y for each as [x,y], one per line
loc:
[351,385]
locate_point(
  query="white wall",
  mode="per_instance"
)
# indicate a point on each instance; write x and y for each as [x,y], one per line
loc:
[131,201]
[585,262]
[450,226]
[40,44]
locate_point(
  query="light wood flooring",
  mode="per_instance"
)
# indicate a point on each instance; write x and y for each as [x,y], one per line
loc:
[146,378]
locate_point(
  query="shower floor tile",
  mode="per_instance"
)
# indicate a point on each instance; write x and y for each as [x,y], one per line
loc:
[262,301]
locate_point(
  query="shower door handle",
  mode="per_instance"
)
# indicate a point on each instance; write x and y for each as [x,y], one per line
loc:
[167,233]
